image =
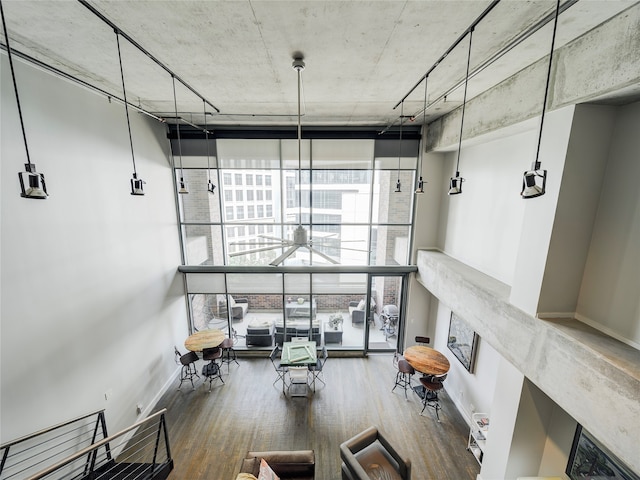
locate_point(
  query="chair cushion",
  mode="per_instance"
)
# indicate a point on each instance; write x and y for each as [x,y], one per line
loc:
[376,455]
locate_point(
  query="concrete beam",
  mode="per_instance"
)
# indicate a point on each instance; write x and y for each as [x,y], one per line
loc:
[593,67]
[593,377]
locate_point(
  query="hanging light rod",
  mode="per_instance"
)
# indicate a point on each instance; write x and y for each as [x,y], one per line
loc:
[98,14]
[82,83]
[522,36]
[450,49]
[187,122]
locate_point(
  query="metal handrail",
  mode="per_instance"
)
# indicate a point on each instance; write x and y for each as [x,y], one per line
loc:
[48,429]
[94,447]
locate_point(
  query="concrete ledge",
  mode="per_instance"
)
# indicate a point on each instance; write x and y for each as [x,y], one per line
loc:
[593,377]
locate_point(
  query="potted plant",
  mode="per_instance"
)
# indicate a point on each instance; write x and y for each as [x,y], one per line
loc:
[335,320]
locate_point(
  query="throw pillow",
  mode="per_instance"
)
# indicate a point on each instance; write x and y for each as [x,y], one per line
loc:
[361,305]
[265,472]
[245,476]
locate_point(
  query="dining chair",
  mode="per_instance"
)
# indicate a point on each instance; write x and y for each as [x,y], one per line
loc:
[318,368]
[274,356]
[211,371]
[188,362]
[432,385]
[403,376]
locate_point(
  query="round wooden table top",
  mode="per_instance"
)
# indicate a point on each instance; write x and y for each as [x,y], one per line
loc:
[426,360]
[204,339]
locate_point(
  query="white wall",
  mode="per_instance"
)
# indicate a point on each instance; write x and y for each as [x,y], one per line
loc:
[608,298]
[90,298]
[481,227]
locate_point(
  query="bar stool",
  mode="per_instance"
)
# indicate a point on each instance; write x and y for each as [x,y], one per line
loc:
[188,362]
[403,377]
[228,353]
[212,370]
[432,385]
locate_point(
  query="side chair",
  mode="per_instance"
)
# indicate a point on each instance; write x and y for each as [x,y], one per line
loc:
[282,371]
[403,377]
[318,369]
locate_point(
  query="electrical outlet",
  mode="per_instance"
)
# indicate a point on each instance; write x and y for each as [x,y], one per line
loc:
[108,394]
[139,408]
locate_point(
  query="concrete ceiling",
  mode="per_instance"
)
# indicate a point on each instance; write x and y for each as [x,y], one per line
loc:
[362,57]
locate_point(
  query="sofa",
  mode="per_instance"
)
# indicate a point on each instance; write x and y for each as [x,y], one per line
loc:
[239,307]
[259,334]
[297,328]
[295,464]
[369,451]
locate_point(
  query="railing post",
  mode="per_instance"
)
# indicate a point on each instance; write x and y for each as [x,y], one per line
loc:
[4,458]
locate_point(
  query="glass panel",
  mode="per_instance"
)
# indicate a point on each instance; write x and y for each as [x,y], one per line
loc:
[253,244]
[390,206]
[296,196]
[391,246]
[343,154]
[347,245]
[206,313]
[290,154]
[259,283]
[341,196]
[203,244]
[198,205]
[205,282]
[244,153]
[386,295]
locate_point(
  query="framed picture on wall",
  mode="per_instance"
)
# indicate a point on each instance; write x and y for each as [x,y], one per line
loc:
[590,459]
[462,341]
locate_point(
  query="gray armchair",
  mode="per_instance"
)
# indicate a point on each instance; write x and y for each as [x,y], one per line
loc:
[369,451]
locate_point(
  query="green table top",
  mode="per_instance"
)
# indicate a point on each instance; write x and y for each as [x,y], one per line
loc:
[298,354]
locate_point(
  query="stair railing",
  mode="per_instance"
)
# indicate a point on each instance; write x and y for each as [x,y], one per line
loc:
[26,455]
[143,453]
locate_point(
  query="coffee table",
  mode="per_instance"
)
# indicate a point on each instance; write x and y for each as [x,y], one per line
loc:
[332,335]
[304,309]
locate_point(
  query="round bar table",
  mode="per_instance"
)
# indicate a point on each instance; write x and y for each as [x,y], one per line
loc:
[426,360]
[204,339]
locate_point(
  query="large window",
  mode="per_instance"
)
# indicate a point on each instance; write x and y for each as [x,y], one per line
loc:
[339,208]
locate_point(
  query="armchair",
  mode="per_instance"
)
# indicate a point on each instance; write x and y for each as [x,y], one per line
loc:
[368,449]
[239,307]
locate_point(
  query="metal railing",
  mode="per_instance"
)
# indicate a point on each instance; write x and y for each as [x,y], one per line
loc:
[81,450]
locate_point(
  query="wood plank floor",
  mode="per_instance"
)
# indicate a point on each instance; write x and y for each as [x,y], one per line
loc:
[211,432]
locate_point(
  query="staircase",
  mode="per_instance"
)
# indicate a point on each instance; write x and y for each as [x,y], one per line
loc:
[81,449]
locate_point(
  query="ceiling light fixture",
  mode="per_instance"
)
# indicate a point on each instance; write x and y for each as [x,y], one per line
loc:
[183,188]
[34,186]
[420,189]
[398,190]
[211,188]
[455,183]
[530,189]
[136,183]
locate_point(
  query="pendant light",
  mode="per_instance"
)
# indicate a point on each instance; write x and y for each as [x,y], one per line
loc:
[530,189]
[183,188]
[398,190]
[211,188]
[420,189]
[136,183]
[32,184]
[455,183]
